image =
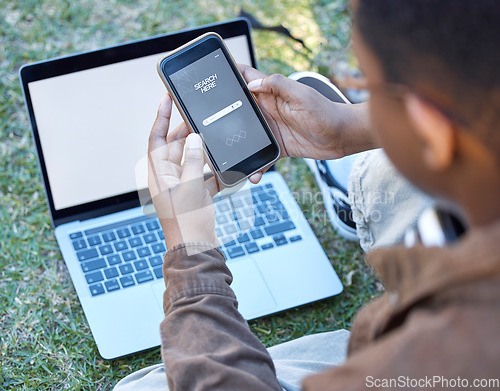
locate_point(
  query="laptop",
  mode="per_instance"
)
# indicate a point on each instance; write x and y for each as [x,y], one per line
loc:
[91,114]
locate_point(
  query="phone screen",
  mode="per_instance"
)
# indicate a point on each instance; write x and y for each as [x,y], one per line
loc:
[221,111]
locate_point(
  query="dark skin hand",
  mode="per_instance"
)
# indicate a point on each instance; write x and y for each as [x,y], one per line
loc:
[304,122]
[181,195]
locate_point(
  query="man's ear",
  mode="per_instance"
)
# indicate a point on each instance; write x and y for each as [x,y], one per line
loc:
[434,129]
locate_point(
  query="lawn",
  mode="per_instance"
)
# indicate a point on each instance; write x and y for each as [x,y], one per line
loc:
[45,342]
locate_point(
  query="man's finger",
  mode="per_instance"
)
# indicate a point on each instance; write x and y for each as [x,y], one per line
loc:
[158,135]
[180,132]
[194,160]
[212,186]
[250,73]
[255,178]
[277,85]
[175,142]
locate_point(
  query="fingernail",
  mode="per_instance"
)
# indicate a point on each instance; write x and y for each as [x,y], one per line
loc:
[193,141]
[254,84]
[164,98]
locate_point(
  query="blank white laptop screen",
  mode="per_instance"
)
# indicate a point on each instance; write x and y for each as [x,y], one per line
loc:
[94,126]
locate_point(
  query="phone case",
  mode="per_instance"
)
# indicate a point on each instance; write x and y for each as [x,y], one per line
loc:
[184,117]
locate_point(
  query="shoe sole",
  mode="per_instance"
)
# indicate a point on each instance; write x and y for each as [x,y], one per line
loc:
[329,196]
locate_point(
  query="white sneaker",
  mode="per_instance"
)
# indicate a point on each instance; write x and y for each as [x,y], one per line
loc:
[332,175]
[335,198]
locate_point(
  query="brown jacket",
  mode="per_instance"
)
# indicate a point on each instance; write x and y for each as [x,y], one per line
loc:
[437,323]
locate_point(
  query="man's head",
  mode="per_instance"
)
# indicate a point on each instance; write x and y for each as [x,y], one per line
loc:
[433,69]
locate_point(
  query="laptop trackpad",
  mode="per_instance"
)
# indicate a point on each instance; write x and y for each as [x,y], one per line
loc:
[254,297]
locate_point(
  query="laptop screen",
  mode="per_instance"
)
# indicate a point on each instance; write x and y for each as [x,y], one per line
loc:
[93,125]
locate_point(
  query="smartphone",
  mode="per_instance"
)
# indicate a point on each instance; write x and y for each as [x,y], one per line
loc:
[214,101]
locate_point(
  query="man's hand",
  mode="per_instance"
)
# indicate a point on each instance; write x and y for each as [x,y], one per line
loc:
[299,115]
[180,195]
[304,122]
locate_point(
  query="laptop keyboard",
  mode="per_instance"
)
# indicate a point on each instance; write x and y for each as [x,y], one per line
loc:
[121,255]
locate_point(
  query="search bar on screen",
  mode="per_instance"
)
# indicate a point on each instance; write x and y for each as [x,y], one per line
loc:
[225,111]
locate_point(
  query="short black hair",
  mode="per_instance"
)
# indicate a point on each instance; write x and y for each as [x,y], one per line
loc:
[452,45]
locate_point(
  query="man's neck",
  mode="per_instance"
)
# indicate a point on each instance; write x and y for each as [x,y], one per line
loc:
[476,181]
[481,204]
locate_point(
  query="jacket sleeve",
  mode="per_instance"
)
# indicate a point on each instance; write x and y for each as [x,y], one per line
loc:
[206,343]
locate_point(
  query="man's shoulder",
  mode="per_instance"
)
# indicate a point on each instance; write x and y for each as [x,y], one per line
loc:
[439,301]
[450,341]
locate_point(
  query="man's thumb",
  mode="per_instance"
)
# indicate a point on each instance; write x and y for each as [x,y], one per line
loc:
[277,85]
[255,85]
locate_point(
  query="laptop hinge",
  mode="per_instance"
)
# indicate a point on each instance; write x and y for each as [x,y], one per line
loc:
[92,214]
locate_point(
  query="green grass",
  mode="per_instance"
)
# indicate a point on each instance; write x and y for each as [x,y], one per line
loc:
[45,342]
